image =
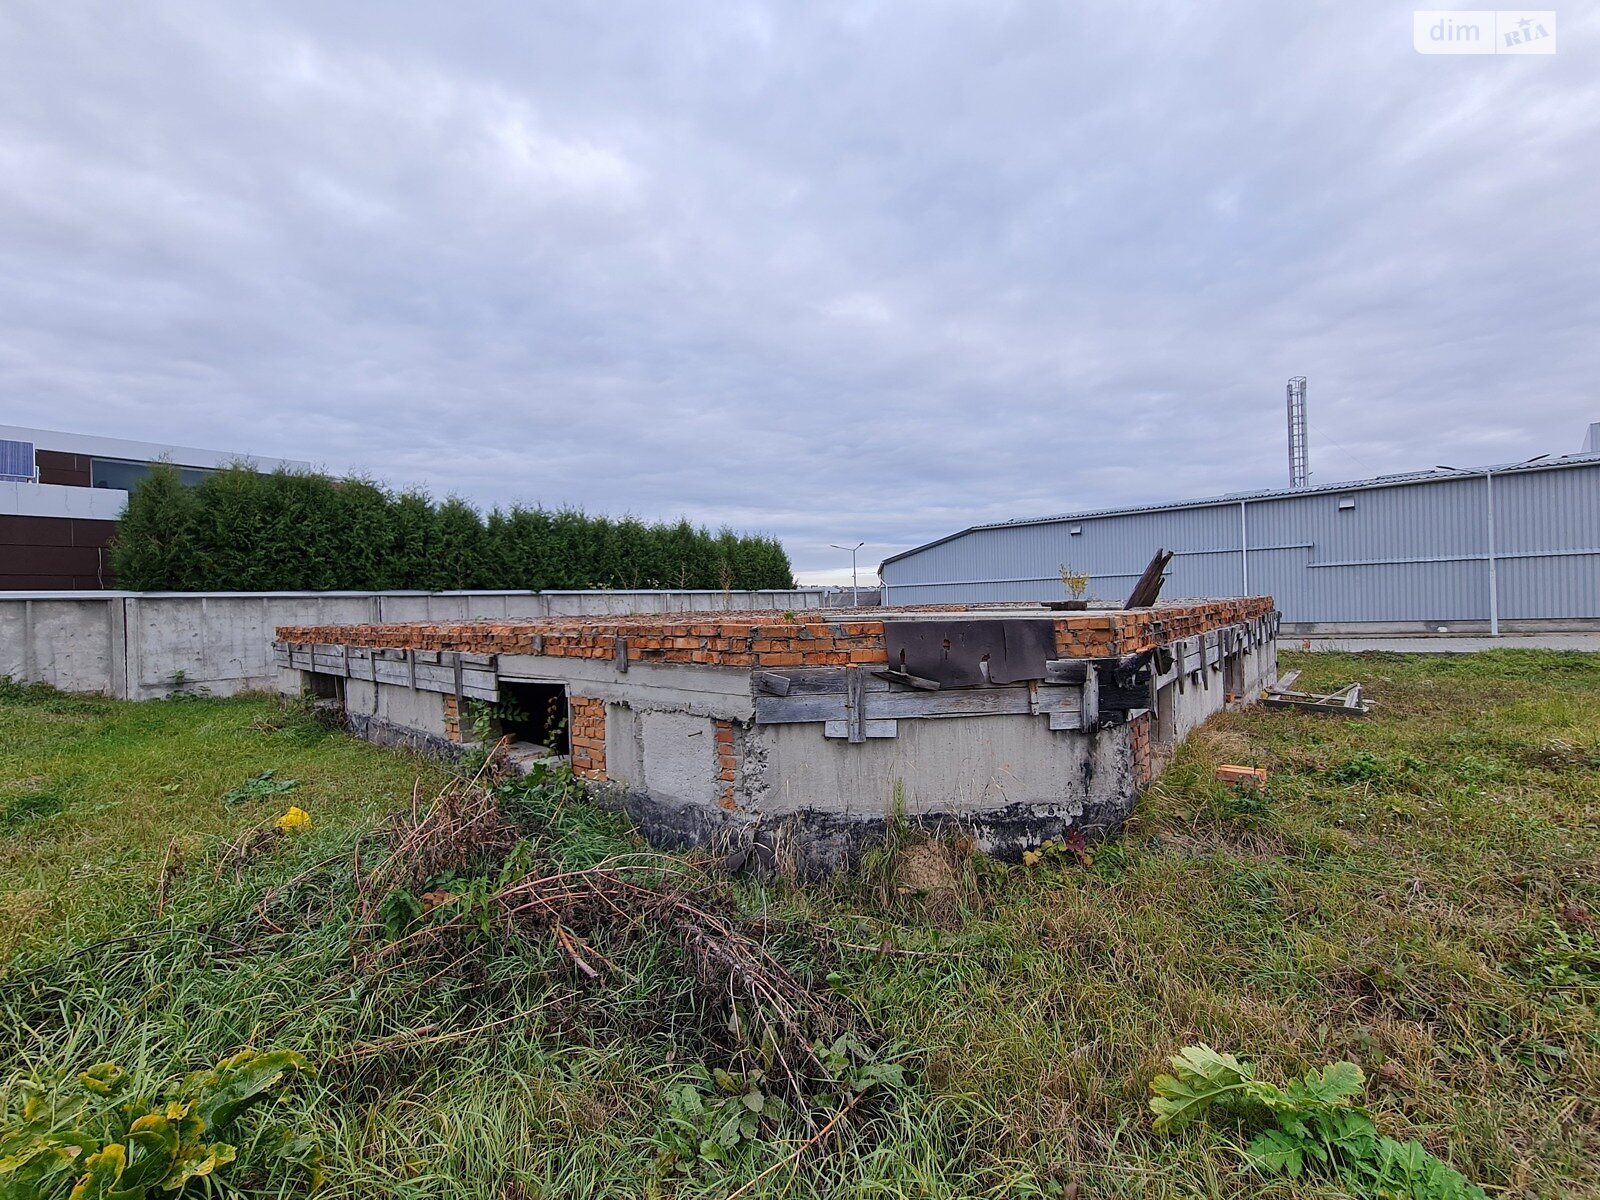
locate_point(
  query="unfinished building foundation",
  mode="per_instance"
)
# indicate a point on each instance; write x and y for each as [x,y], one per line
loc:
[790,740]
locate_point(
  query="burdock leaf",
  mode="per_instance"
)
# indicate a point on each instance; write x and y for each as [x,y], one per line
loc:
[196,1162]
[1336,1084]
[153,1144]
[1201,1077]
[1277,1153]
[105,1079]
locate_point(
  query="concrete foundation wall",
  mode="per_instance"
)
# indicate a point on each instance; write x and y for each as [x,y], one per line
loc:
[1179,712]
[130,645]
[720,748]
[807,805]
[418,710]
[679,753]
[952,765]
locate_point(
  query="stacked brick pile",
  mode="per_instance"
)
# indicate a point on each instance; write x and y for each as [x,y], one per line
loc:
[1133,631]
[765,639]
[669,638]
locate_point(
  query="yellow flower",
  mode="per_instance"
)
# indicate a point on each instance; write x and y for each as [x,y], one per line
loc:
[295,818]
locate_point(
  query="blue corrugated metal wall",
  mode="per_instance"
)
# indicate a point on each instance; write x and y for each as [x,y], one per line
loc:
[1417,551]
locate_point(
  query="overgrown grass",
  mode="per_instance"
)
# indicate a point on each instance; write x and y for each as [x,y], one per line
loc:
[1413,892]
[93,792]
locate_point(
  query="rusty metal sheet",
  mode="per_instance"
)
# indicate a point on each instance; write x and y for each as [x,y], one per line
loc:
[971,653]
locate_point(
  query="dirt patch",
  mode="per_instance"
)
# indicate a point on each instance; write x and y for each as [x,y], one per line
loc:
[930,872]
[1554,754]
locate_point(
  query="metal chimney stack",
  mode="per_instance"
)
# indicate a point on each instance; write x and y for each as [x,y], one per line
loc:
[1299,461]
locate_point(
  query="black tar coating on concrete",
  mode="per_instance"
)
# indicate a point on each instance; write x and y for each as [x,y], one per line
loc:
[379,732]
[812,844]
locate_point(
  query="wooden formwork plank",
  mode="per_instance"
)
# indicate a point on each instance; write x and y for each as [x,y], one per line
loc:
[962,702]
[869,729]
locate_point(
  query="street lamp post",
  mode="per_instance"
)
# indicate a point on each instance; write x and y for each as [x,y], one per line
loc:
[855,600]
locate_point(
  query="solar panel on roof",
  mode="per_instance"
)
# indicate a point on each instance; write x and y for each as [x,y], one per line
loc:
[16,460]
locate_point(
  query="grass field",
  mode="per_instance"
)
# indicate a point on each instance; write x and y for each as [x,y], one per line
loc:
[1416,892]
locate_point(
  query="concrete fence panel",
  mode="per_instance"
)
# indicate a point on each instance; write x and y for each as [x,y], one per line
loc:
[137,645]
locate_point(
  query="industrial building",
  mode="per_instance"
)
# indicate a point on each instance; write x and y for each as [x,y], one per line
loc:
[1492,549]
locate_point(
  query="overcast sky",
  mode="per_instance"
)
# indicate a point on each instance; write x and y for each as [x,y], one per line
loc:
[857,272]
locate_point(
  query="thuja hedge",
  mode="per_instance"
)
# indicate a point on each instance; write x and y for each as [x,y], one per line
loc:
[292,531]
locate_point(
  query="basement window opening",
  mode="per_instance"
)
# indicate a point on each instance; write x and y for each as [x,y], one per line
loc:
[534,713]
[321,686]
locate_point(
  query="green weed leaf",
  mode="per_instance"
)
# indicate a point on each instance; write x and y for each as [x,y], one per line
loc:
[1336,1084]
[1277,1153]
[1201,1076]
[1317,1127]
[101,1175]
[238,1082]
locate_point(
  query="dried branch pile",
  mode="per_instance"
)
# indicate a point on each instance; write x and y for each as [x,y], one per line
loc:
[771,1015]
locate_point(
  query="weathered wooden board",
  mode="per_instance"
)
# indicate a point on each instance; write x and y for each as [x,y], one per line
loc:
[1311,706]
[810,681]
[477,679]
[869,729]
[960,702]
[772,683]
[855,702]
[1284,682]
[1089,702]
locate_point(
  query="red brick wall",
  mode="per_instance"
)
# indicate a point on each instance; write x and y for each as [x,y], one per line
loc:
[1104,634]
[588,737]
[727,763]
[757,639]
[1143,759]
[452,717]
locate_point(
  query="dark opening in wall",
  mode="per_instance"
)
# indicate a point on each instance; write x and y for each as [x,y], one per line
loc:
[1233,676]
[322,687]
[535,713]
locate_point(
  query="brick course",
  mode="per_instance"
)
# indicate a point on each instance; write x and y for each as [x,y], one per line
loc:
[764,639]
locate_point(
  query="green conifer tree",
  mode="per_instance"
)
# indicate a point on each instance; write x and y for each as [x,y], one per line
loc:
[154,545]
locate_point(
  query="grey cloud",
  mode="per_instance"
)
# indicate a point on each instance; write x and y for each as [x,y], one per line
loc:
[836,272]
